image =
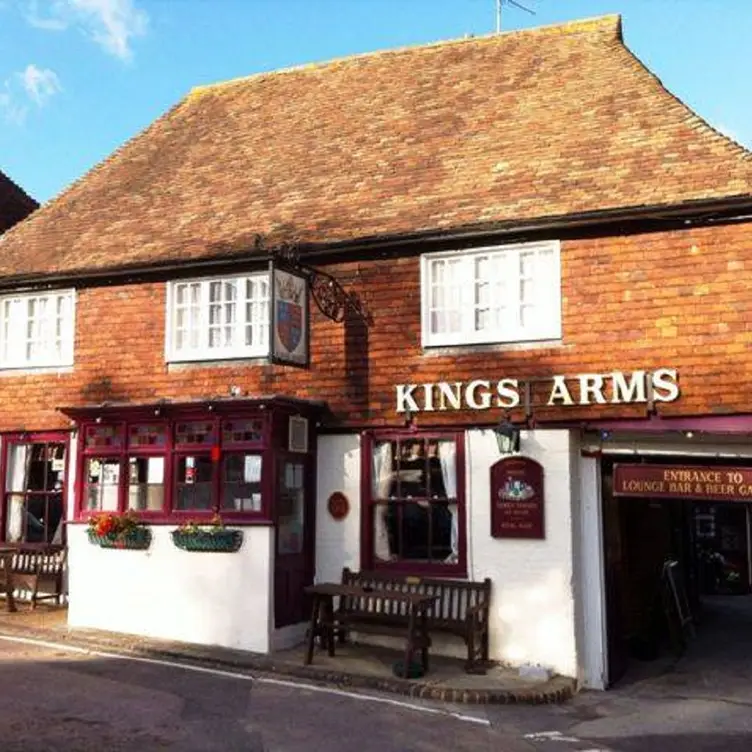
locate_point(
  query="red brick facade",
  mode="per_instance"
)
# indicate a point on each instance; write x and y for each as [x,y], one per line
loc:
[678,299]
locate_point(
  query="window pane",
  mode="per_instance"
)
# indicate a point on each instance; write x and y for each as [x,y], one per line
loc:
[290,509]
[242,431]
[146,483]
[14,525]
[195,433]
[101,481]
[241,491]
[193,482]
[147,435]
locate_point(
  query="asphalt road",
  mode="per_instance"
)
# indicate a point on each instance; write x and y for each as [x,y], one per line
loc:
[55,700]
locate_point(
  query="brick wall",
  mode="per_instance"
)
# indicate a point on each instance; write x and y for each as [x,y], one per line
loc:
[678,299]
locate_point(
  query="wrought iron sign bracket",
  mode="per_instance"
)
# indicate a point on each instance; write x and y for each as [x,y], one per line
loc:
[331,298]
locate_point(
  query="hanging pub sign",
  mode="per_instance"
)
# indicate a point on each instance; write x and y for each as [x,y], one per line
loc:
[289,318]
[517,499]
[708,483]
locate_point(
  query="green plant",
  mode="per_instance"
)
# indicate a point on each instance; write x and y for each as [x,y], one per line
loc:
[190,527]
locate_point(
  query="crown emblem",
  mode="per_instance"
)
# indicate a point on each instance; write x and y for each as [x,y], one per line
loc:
[288,289]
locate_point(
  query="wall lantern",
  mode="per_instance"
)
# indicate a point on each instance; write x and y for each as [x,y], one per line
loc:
[507,437]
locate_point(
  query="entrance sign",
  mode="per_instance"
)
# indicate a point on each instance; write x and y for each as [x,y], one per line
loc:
[616,388]
[517,501]
[711,483]
[289,318]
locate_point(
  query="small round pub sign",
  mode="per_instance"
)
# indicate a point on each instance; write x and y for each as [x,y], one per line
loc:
[338,505]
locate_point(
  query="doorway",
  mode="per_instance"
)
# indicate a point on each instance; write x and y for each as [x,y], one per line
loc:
[711,542]
[294,539]
[33,510]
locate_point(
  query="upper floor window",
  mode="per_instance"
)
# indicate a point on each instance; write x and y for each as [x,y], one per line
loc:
[489,295]
[217,318]
[36,330]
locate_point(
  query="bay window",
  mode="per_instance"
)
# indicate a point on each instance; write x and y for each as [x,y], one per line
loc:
[37,330]
[414,517]
[190,468]
[491,295]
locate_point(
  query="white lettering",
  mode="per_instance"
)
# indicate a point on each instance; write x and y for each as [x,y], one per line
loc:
[634,391]
[508,391]
[485,397]
[405,399]
[591,385]
[665,386]
[560,392]
[428,397]
[451,393]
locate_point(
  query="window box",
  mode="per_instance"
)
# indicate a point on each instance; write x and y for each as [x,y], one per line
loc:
[227,541]
[37,330]
[137,539]
[502,294]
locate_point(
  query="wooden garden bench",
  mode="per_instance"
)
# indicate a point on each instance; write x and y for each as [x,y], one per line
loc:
[461,608]
[40,571]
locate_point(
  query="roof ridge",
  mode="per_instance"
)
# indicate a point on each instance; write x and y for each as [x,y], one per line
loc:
[592,24]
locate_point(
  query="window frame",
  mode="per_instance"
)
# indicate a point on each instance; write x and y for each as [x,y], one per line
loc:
[41,437]
[171,452]
[368,560]
[548,330]
[67,337]
[204,352]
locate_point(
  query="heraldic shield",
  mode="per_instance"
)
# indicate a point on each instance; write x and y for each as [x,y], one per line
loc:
[289,324]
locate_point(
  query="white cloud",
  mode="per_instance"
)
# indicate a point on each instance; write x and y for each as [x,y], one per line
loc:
[112,24]
[39,83]
[11,110]
[31,86]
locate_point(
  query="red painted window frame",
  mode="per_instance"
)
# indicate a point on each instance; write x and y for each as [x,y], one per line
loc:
[171,451]
[32,437]
[367,559]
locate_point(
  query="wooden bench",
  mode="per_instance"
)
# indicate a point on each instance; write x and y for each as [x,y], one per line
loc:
[39,571]
[461,609]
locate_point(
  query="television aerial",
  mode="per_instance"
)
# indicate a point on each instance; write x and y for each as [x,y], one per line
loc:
[514,4]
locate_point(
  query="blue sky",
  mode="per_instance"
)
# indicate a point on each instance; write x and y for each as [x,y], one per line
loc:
[79,77]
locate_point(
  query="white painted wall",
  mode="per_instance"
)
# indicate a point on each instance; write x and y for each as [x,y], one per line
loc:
[590,577]
[207,598]
[532,611]
[337,542]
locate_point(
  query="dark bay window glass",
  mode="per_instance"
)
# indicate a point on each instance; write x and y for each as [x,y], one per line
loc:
[241,482]
[193,483]
[415,503]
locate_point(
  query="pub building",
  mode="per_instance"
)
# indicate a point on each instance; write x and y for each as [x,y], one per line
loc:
[477,309]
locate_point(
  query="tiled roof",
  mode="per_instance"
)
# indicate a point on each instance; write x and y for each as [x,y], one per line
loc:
[518,126]
[15,203]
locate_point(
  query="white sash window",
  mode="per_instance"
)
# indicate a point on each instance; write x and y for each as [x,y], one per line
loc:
[492,295]
[37,330]
[218,318]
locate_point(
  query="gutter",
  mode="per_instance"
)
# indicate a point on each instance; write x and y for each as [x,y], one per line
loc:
[700,212]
